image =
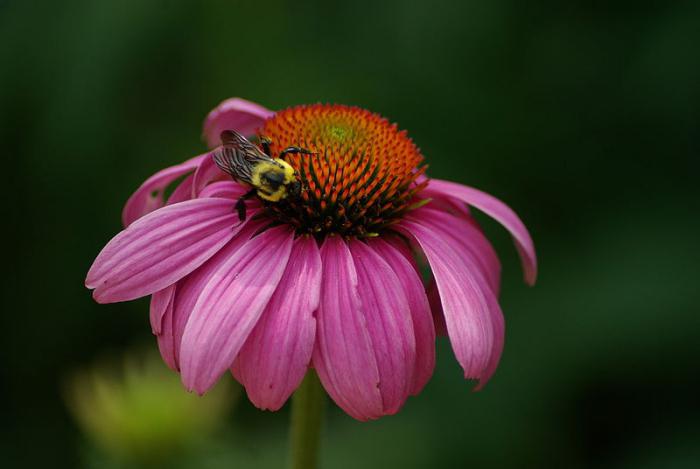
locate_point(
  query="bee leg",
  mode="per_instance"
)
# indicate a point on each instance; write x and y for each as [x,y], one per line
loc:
[241,209]
[294,150]
[265,143]
[240,204]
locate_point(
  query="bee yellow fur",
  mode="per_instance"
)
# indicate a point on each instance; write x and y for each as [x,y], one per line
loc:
[264,189]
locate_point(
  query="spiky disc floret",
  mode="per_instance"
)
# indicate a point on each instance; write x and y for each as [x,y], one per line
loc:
[361,177]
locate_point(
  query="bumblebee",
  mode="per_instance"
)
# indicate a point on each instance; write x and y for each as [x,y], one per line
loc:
[270,178]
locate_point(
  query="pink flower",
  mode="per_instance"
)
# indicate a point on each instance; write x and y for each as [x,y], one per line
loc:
[326,277]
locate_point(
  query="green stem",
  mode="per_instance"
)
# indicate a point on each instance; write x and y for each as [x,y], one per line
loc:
[307,415]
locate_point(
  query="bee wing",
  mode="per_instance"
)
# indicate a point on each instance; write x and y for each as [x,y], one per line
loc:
[237,155]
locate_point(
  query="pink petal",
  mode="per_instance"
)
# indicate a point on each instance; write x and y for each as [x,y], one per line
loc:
[498,211]
[420,311]
[277,353]
[469,304]
[149,196]
[190,288]
[410,252]
[229,307]
[182,192]
[159,302]
[439,202]
[389,322]
[206,172]
[499,329]
[467,234]
[234,114]
[343,354]
[225,190]
[166,343]
[233,191]
[161,248]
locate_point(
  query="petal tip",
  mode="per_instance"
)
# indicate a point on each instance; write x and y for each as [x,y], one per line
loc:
[197,386]
[99,297]
[530,274]
[236,114]
[479,386]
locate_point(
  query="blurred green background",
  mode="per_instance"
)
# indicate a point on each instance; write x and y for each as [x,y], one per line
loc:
[584,116]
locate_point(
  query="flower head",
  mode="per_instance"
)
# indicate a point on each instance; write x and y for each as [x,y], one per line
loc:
[324,277]
[360,177]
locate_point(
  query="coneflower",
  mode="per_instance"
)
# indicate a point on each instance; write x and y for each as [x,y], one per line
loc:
[326,277]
